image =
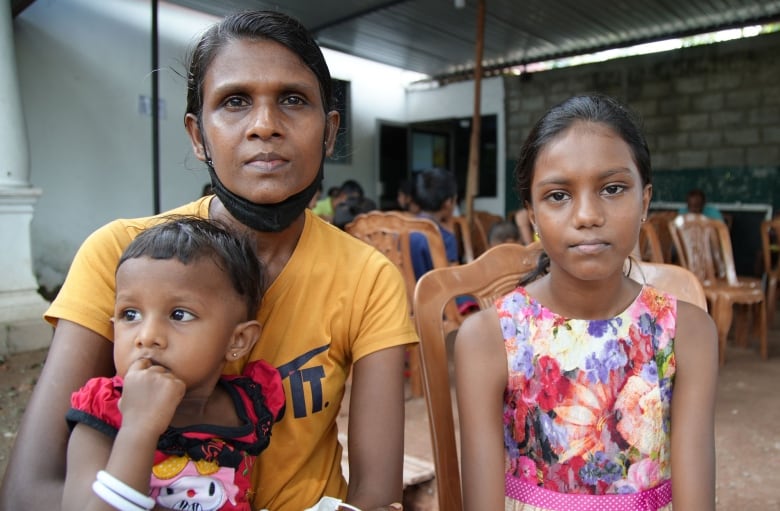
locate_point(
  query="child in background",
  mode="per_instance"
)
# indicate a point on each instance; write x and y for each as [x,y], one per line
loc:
[405,197]
[503,232]
[187,296]
[582,388]
[436,194]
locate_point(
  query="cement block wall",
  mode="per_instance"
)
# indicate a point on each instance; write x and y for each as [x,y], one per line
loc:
[706,109]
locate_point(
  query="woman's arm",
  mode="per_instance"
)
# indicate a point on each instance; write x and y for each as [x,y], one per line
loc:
[35,474]
[480,380]
[693,410]
[376,430]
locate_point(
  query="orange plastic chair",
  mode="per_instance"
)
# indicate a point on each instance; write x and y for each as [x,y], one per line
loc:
[660,221]
[462,231]
[649,245]
[704,247]
[389,232]
[770,246]
[490,276]
[482,222]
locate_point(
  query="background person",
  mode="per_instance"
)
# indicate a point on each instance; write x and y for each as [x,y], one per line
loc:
[503,232]
[436,194]
[326,208]
[405,197]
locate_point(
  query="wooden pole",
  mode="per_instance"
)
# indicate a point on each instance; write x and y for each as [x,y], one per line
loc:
[472,175]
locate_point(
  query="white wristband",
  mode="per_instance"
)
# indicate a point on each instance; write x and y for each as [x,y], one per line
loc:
[113,499]
[125,491]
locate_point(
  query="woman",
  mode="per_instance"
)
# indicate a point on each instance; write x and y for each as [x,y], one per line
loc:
[259,114]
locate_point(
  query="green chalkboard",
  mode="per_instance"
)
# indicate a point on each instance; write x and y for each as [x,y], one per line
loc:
[746,185]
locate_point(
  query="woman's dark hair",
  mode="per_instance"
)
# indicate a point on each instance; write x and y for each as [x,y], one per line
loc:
[256,25]
[188,239]
[433,187]
[594,108]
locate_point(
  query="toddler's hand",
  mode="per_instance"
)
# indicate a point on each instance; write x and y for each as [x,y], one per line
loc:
[150,396]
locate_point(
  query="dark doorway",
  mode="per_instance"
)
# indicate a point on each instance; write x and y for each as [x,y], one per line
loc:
[405,149]
[393,161]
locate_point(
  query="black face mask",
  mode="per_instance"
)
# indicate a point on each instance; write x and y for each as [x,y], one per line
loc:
[266,217]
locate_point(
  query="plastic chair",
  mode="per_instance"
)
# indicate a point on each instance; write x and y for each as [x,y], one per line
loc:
[704,247]
[660,221]
[770,248]
[482,222]
[465,241]
[490,276]
[388,232]
[649,244]
[673,279]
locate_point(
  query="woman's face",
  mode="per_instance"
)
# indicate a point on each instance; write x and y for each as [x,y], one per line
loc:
[263,120]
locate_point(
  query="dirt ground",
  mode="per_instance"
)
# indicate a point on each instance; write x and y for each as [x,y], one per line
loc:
[747,426]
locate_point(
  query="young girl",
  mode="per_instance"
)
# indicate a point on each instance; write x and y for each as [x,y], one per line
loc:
[187,293]
[584,389]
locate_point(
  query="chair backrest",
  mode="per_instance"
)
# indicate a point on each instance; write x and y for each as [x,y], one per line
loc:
[649,244]
[398,221]
[463,234]
[391,241]
[660,220]
[770,244]
[482,222]
[673,279]
[494,273]
[704,247]
[490,276]
[388,231]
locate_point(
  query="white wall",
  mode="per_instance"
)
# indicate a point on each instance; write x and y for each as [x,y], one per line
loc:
[457,100]
[378,92]
[83,65]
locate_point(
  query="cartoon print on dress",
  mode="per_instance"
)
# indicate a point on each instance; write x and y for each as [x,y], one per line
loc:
[198,486]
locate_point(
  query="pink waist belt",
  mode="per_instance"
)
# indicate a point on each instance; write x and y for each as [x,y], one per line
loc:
[648,500]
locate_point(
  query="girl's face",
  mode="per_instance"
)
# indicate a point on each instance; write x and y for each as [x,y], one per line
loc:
[587,201]
[263,121]
[181,316]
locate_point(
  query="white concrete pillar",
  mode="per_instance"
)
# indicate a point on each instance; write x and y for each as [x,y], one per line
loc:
[21,307]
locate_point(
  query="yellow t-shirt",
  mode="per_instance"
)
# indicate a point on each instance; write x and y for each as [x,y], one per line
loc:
[336,300]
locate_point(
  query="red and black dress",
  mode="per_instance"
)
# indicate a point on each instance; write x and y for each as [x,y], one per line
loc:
[203,466]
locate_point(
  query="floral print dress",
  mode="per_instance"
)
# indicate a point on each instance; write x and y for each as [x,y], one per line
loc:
[587,405]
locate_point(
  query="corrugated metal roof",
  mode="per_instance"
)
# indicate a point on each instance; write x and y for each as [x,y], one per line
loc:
[436,38]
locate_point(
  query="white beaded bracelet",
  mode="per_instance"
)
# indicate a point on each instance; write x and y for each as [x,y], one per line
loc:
[125,491]
[113,499]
